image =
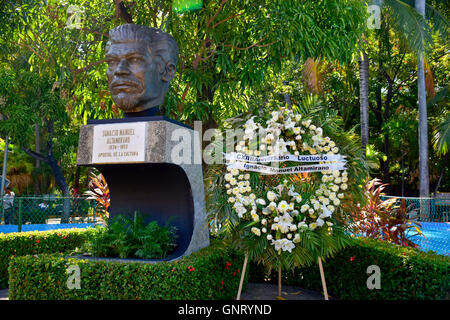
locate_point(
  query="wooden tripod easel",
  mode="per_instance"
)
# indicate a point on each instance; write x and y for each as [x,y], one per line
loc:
[244,267]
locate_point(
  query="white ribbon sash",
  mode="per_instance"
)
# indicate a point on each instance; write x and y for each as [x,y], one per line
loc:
[287,170]
[245,162]
[290,157]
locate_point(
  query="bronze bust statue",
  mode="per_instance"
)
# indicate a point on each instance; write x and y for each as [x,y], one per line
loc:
[141,63]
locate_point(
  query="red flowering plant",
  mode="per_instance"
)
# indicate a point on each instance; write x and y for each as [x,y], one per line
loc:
[386,220]
[99,191]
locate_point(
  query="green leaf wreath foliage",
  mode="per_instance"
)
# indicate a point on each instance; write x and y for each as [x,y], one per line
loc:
[320,242]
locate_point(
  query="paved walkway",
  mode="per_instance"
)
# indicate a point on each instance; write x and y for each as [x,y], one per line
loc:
[3,294]
[268,291]
[256,291]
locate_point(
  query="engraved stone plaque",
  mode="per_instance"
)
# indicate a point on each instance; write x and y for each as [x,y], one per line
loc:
[119,143]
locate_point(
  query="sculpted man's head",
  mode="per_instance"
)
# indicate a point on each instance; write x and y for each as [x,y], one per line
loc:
[141,63]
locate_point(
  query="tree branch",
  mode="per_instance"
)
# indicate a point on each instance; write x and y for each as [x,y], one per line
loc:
[230,17]
[253,45]
[90,65]
[35,155]
[222,4]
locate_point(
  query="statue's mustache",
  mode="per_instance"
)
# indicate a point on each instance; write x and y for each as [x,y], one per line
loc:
[124,82]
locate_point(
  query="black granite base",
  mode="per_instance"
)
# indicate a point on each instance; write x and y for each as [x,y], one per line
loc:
[159,192]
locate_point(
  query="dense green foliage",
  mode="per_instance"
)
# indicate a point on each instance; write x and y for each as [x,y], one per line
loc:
[37,242]
[211,273]
[406,273]
[132,238]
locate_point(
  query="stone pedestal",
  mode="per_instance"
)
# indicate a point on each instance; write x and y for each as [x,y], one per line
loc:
[152,165]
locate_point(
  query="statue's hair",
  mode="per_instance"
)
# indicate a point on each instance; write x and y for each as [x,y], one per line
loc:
[159,43]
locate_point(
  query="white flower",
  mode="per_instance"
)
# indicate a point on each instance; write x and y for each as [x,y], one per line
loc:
[304,208]
[275,115]
[256,231]
[272,206]
[296,130]
[255,216]
[271,196]
[302,224]
[326,212]
[336,202]
[283,206]
[261,202]
[298,198]
[319,222]
[344,186]
[264,222]
[269,237]
[283,244]
[289,236]
[240,210]
[289,124]
[231,199]
[306,123]
[228,177]
[279,188]
[296,238]
[313,226]
[234,172]
[284,222]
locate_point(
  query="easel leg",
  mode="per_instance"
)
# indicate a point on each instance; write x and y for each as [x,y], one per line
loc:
[322,276]
[244,267]
[279,281]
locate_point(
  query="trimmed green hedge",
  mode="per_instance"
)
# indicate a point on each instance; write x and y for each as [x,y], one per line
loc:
[37,242]
[406,273]
[211,273]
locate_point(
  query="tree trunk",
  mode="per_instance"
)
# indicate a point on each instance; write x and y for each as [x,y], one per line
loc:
[37,162]
[364,98]
[444,165]
[424,178]
[63,186]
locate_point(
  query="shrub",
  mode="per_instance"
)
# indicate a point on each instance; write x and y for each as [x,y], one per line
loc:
[384,220]
[36,242]
[211,273]
[406,273]
[132,238]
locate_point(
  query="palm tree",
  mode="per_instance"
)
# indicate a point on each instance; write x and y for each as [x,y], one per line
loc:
[424,177]
[411,25]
